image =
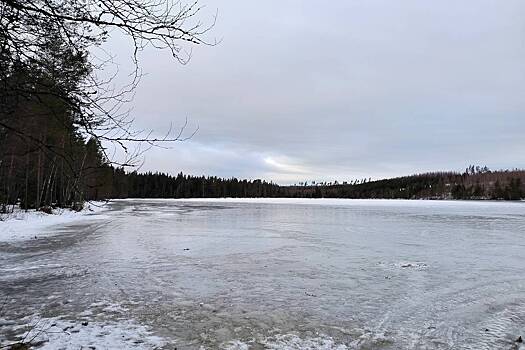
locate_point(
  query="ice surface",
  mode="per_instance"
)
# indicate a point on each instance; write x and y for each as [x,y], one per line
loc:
[279,274]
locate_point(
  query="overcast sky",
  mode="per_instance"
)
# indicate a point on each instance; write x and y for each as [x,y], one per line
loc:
[312,90]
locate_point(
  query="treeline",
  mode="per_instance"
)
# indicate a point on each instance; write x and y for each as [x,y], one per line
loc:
[494,185]
[472,184]
[35,182]
[159,185]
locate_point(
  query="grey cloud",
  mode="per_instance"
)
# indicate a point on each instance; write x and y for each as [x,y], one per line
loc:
[345,89]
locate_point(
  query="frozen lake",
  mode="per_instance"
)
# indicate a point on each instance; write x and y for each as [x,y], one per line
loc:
[273,274]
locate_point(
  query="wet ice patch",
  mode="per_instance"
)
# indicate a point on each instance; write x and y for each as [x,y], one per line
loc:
[411,265]
[107,307]
[502,330]
[370,339]
[53,333]
[5,322]
[115,308]
[86,313]
[235,345]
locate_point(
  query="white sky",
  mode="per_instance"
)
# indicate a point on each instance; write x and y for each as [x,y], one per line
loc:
[309,90]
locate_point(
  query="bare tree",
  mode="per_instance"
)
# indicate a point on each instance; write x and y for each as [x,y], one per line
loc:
[49,74]
[101,110]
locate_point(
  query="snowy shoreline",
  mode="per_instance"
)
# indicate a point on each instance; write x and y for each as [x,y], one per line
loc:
[22,225]
[321,201]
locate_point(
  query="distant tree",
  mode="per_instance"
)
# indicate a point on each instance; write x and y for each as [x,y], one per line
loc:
[514,191]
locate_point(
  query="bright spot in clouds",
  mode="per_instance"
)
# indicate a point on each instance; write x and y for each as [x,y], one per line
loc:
[280,165]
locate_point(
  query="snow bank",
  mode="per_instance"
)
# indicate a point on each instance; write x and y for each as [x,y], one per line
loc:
[288,342]
[55,333]
[21,225]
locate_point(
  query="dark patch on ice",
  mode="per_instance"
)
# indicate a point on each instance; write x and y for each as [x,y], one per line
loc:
[414,265]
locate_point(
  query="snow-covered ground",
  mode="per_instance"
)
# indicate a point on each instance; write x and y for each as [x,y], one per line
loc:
[288,342]
[55,333]
[23,225]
